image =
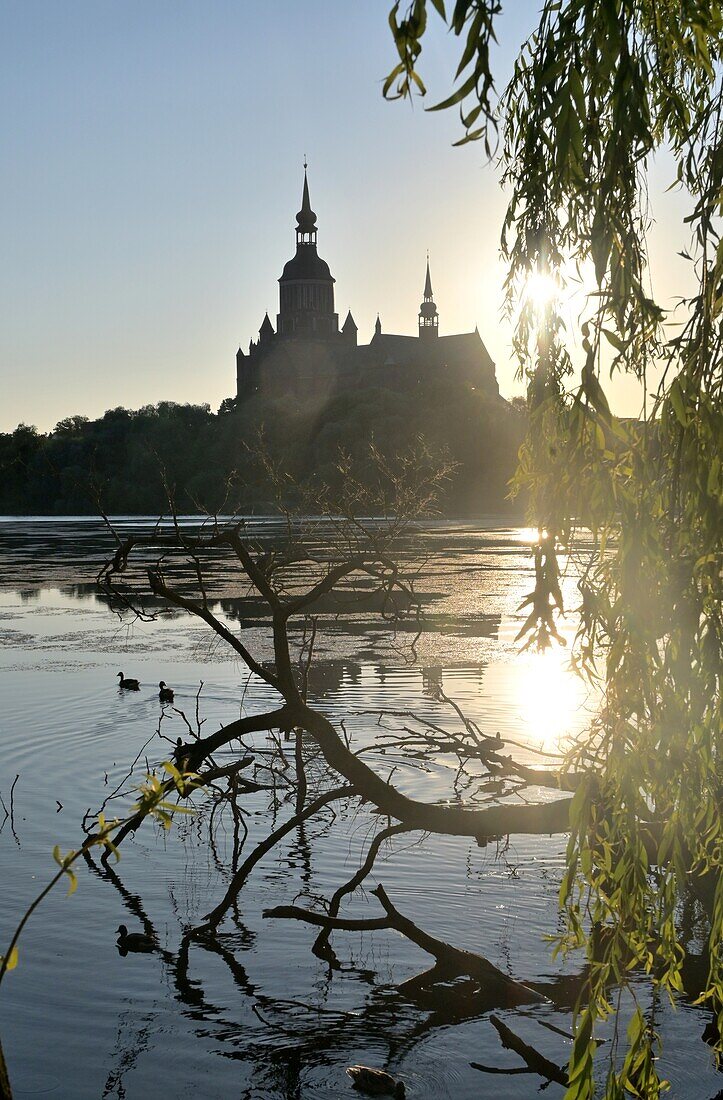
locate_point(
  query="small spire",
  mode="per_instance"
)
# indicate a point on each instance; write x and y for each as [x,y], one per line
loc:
[378,327]
[428,317]
[306,218]
[267,329]
[349,329]
[428,283]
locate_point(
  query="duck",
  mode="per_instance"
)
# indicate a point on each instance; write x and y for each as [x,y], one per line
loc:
[165,694]
[128,684]
[376,1082]
[134,941]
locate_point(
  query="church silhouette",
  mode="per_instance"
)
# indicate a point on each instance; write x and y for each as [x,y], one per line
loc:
[308,355]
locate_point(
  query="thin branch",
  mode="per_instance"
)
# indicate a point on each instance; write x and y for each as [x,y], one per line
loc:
[216,915]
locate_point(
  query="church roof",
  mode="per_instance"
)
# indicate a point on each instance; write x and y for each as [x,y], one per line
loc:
[462,349]
[306,264]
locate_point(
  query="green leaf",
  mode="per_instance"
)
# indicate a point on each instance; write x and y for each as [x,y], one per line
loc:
[675,394]
[615,340]
[12,961]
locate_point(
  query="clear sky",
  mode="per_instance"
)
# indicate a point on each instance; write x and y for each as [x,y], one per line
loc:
[152,169]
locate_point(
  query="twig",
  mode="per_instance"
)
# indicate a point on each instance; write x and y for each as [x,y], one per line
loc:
[12,809]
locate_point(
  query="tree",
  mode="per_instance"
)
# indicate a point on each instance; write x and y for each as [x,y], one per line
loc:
[71,425]
[597,90]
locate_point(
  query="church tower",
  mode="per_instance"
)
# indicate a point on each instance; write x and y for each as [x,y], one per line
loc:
[306,286]
[428,316]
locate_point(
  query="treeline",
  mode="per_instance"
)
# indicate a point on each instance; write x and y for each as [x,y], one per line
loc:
[126,461]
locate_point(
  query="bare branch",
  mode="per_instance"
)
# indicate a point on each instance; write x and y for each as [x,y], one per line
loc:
[217,914]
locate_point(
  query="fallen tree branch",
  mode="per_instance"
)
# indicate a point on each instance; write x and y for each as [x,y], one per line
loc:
[534,1061]
[451,962]
[539,818]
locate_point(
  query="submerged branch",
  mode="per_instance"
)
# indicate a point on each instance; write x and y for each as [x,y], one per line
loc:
[534,1061]
[450,962]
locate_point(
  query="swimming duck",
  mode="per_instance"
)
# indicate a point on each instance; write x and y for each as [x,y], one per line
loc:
[165,694]
[134,941]
[376,1082]
[129,685]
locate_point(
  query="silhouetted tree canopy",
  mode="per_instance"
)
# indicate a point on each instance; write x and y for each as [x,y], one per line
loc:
[127,460]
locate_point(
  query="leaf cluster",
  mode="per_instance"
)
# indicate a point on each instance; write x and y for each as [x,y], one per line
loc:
[598,89]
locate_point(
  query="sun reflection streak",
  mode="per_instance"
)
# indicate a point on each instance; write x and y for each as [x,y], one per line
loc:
[530,536]
[551,698]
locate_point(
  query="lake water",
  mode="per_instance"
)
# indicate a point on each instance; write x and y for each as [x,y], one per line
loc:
[257,1016]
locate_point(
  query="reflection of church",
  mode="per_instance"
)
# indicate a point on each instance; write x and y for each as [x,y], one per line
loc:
[309,355]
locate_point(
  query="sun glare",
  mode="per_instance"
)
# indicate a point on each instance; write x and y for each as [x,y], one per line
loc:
[530,536]
[551,698]
[540,290]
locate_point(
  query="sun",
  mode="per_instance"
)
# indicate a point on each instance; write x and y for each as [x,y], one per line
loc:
[540,290]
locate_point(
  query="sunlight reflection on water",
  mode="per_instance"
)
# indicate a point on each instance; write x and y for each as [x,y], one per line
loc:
[138,1028]
[550,698]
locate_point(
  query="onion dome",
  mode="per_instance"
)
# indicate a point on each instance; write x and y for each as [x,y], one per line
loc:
[306,286]
[428,308]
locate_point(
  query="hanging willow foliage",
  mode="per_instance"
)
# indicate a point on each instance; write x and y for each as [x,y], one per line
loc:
[596,90]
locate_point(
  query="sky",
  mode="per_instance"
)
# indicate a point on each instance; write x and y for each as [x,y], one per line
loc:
[152,170]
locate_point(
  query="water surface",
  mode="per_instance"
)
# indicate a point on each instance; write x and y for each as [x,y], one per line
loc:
[258,1016]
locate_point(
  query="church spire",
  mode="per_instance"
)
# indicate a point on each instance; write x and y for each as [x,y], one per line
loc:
[306,218]
[428,316]
[306,286]
[428,284]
